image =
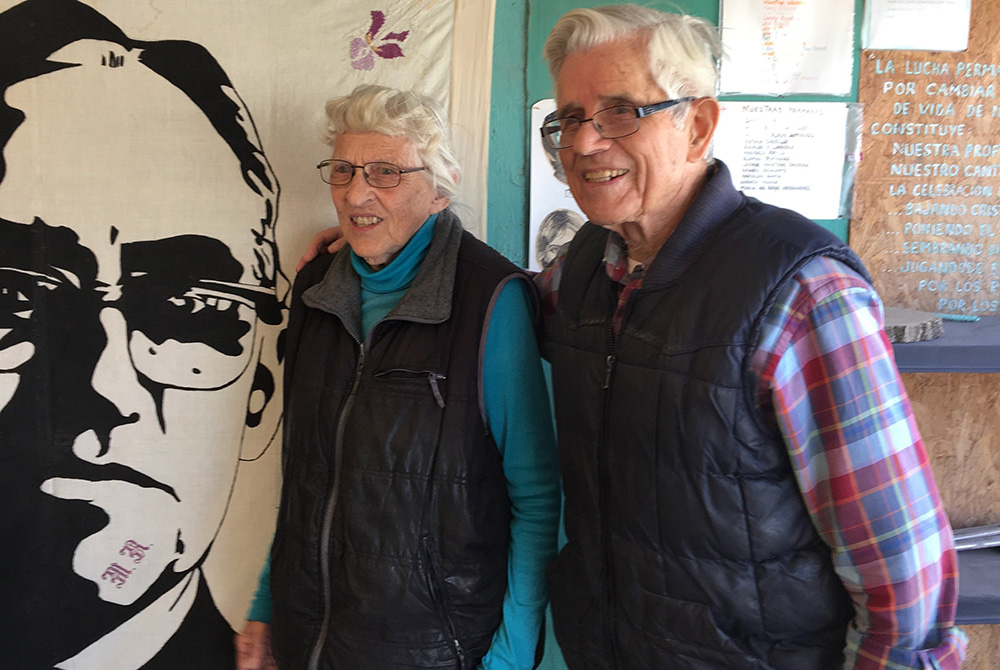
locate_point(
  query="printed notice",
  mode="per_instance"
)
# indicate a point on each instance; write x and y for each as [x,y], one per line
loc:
[776,47]
[786,154]
[933,25]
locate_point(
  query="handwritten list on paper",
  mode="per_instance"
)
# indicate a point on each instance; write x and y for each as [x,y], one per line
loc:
[786,154]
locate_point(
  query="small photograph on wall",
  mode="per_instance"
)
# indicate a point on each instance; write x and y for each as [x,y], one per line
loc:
[553,215]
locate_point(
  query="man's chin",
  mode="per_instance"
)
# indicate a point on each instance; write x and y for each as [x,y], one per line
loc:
[78,621]
[604,221]
[615,224]
[71,616]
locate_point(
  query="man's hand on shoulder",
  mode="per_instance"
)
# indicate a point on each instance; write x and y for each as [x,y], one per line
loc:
[330,240]
[253,647]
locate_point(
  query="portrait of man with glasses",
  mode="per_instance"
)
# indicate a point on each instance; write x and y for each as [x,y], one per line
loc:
[141,301]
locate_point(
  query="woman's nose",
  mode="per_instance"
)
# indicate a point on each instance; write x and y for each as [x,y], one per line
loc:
[359,191]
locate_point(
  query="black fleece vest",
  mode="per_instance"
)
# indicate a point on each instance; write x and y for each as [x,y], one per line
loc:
[394,519]
[690,547]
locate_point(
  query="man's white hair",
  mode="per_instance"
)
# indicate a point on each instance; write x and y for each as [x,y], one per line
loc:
[682,51]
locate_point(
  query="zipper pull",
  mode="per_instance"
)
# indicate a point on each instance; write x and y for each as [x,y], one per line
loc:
[460,652]
[358,368]
[433,378]
[610,366]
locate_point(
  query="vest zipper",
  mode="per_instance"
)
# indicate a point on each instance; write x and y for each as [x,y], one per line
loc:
[433,378]
[436,587]
[604,485]
[610,365]
[331,506]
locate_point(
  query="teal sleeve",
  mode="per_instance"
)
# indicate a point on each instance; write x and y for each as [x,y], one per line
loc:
[517,409]
[260,606]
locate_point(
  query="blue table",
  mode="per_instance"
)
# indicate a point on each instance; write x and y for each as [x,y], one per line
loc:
[979,586]
[964,347]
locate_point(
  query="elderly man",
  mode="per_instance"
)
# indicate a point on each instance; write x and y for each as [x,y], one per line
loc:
[745,483]
[139,316]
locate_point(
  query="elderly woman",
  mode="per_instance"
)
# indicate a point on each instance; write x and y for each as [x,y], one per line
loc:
[420,497]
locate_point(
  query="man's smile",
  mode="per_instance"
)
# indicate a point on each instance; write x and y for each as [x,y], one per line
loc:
[598,176]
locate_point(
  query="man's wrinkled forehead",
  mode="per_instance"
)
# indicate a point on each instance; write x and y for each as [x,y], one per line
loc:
[615,86]
[108,144]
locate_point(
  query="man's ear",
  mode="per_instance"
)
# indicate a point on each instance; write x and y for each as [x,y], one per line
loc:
[260,396]
[264,406]
[701,123]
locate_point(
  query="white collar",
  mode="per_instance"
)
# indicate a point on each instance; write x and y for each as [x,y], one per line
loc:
[132,644]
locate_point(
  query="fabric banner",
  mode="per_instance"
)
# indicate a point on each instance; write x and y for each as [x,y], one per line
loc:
[157,184]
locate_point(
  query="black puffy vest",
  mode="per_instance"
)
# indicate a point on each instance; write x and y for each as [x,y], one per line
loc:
[690,547]
[392,537]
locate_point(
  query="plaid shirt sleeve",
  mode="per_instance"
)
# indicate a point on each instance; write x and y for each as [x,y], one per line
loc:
[829,383]
[547,282]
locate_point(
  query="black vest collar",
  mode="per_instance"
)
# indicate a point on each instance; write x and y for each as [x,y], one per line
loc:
[427,301]
[712,207]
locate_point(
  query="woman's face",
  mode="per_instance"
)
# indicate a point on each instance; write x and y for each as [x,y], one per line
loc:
[378,222]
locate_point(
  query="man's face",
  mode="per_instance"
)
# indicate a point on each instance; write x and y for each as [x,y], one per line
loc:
[638,178]
[127,329]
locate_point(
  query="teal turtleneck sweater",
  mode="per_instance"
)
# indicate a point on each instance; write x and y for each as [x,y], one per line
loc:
[518,414]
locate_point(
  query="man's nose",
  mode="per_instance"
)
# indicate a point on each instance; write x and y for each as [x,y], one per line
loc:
[588,141]
[80,404]
[115,378]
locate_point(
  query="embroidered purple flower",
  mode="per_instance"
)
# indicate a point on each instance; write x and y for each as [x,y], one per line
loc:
[364,50]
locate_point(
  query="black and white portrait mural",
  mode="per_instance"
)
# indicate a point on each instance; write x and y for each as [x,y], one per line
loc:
[139,336]
[142,303]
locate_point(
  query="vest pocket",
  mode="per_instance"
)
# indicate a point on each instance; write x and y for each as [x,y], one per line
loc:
[439,596]
[434,380]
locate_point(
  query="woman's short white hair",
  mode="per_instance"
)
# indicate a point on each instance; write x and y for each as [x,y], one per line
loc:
[389,111]
[682,51]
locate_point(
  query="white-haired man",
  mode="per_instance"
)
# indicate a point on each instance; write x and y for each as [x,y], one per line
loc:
[745,483]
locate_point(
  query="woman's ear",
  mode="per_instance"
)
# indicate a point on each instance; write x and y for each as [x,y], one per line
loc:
[443,201]
[439,204]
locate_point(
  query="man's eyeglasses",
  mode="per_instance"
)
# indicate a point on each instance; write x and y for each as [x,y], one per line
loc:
[610,123]
[378,175]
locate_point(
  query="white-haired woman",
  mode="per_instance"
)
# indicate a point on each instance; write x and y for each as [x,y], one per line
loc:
[420,490]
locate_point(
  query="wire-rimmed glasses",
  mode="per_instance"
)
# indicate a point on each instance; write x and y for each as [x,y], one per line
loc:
[338,172]
[610,123]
